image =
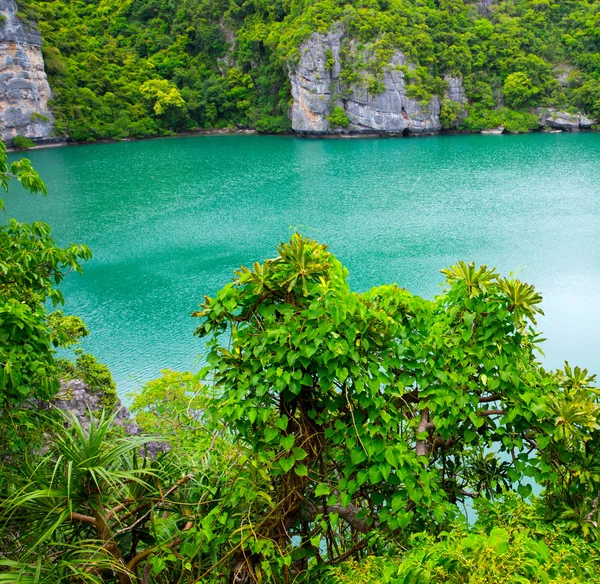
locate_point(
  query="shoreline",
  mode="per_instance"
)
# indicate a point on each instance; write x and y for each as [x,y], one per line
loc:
[64,142]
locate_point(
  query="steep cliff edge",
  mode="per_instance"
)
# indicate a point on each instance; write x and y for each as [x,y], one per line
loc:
[319,87]
[24,88]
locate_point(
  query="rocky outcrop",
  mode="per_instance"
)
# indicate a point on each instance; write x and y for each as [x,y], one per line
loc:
[318,86]
[24,88]
[456,91]
[78,399]
[557,120]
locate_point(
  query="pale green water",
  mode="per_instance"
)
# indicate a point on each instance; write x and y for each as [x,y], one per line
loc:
[169,221]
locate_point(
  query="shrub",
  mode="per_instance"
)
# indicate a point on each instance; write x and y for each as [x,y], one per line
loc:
[22,143]
[338,117]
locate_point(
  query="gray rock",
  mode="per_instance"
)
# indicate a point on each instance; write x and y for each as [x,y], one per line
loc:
[318,87]
[77,398]
[24,88]
[456,91]
[494,131]
[557,120]
[484,6]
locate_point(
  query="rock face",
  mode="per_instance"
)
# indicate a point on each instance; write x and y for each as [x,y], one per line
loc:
[24,88]
[318,87]
[77,398]
[565,121]
[456,91]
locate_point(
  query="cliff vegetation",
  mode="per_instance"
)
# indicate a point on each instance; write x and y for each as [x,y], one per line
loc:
[146,67]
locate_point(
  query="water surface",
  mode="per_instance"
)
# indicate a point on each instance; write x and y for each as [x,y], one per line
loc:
[169,220]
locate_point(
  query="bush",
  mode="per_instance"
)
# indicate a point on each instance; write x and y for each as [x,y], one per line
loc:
[273,125]
[338,117]
[482,119]
[22,143]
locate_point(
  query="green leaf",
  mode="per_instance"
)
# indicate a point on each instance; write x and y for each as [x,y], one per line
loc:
[271,434]
[322,490]
[287,442]
[301,470]
[286,464]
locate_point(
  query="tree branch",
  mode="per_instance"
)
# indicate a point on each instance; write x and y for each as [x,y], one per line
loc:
[491,412]
[489,398]
[421,447]
[82,519]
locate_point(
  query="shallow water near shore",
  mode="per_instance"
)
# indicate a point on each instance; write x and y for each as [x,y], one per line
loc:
[169,220]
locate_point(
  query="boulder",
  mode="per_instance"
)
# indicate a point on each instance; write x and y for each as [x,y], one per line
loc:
[494,131]
[558,120]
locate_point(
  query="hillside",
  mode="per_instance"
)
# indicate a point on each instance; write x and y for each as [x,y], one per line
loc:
[122,68]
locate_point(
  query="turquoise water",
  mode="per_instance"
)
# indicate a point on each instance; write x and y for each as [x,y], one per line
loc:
[169,220]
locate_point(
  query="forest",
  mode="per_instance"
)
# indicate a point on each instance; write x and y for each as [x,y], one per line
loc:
[133,68]
[330,436]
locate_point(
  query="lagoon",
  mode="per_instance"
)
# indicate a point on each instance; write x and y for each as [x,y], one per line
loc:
[169,220]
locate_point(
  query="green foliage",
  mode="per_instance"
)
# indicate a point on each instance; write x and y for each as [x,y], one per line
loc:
[501,548]
[327,425]
[451,114]
[31,266]
[172,406]
[104,478]
[162,94]
[22,143]
[95,375]
[513,121]
[384,409]
[338,117]
[99,54]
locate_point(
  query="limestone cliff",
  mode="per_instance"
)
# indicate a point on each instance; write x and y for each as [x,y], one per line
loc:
[318,86]
[24,88]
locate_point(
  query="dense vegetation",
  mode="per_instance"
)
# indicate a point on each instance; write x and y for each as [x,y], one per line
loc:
[331,437]
[122,68]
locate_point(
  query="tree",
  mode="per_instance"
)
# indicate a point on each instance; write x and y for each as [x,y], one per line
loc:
[383,410]
[519,89]
[326,424]
[31,267]
[162,94]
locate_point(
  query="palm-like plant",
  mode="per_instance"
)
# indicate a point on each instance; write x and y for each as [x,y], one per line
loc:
[82,510]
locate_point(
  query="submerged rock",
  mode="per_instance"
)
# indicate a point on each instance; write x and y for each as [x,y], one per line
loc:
[24,88]
[557,120]
[372,104]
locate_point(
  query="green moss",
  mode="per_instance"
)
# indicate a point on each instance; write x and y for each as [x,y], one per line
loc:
[36,117]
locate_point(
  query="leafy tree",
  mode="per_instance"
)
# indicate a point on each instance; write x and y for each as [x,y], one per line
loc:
[31,266]
[519,90]
[162,94]
[92,487]
[380,410]
[328,425]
